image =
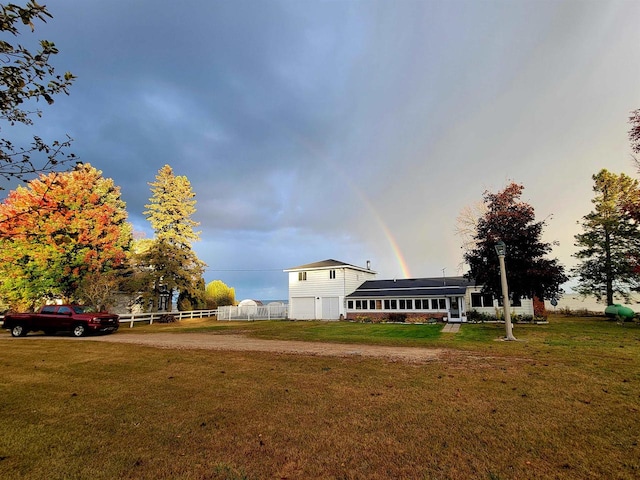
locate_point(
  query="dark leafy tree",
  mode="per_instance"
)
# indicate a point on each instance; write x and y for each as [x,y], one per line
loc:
[26,78]
[610,241]
[193,300]
[529,273]
[170,268]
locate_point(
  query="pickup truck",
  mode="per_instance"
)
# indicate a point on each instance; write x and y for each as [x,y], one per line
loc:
[77,319]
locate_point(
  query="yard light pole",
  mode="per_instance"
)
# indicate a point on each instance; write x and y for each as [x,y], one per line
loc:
[501,250]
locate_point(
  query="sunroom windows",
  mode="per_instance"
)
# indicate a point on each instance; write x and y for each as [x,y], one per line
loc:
[402,304]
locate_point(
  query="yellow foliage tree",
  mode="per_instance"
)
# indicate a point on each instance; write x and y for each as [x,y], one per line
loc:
[219,294]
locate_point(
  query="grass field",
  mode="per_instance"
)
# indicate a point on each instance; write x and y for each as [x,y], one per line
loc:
[562,403]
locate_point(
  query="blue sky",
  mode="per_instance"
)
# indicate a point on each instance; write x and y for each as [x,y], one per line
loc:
[353,130]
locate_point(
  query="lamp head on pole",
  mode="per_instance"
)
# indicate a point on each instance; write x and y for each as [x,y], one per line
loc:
[501,248]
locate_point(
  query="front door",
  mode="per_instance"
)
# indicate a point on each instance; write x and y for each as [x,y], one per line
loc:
[454,309]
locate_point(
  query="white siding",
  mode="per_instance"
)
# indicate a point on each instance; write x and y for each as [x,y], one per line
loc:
[319,286]
[525,309]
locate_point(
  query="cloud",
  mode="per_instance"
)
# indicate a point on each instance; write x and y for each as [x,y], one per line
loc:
[348,130]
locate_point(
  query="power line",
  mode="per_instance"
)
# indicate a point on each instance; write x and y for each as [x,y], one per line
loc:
[242,270]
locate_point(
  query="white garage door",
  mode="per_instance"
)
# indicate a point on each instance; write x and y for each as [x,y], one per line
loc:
[303,308]
[330,308]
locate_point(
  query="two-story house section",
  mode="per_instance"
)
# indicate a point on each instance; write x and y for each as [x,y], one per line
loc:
[317,290]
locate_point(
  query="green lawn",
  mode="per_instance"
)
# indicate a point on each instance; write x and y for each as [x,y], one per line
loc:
[562,403]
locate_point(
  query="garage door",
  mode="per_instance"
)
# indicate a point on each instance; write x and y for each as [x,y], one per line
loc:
[330,308]
[303,308]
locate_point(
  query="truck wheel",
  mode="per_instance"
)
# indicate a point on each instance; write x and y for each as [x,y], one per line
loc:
[79,329]
[18,330]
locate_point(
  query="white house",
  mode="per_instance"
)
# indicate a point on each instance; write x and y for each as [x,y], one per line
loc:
[442,298]
[330,290]
[430,298]
[318,290]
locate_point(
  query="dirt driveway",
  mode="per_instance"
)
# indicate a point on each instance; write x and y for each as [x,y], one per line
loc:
[208,341]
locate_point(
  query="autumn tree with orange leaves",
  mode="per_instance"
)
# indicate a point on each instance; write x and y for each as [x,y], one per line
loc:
[57,231]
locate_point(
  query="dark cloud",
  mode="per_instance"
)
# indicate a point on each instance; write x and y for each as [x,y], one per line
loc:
[349,130]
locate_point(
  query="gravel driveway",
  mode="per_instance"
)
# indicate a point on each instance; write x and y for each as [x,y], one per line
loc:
[208,341]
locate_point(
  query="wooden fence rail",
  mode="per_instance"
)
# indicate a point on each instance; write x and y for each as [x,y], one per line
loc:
[131,318]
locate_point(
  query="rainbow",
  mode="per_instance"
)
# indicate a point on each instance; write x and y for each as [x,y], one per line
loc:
[404,268]
[315,152]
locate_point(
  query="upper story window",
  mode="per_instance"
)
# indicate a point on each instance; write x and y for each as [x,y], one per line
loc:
[302,276]
[332,274]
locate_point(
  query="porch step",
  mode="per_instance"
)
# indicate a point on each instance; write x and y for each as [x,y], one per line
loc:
[451,328]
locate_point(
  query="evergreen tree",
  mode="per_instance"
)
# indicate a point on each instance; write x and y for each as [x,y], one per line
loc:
[610,239]
[529,273]
[171,207]
[170,263]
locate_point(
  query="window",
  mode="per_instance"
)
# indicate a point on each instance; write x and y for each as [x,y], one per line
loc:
[378,304]
[422,303]
[361,304]
[49,309]
[515,302]
[487,300]
[394,304]
[302,276]
[372,304]
[332,274]
[64,310]
[350,304]
[406,304]
[438,304]
[476,300]
[481,300]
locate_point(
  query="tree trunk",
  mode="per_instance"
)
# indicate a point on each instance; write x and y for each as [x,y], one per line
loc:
[607,267]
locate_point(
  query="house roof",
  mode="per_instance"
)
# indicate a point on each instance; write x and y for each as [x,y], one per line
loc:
[327,264]
[413,287]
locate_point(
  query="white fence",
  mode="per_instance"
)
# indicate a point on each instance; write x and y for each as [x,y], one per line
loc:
[253,312]
[250,313]
[131,318]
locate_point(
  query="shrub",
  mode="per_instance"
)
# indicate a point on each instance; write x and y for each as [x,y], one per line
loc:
[479,317]
[417,319]
[397,317]
[166,318]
